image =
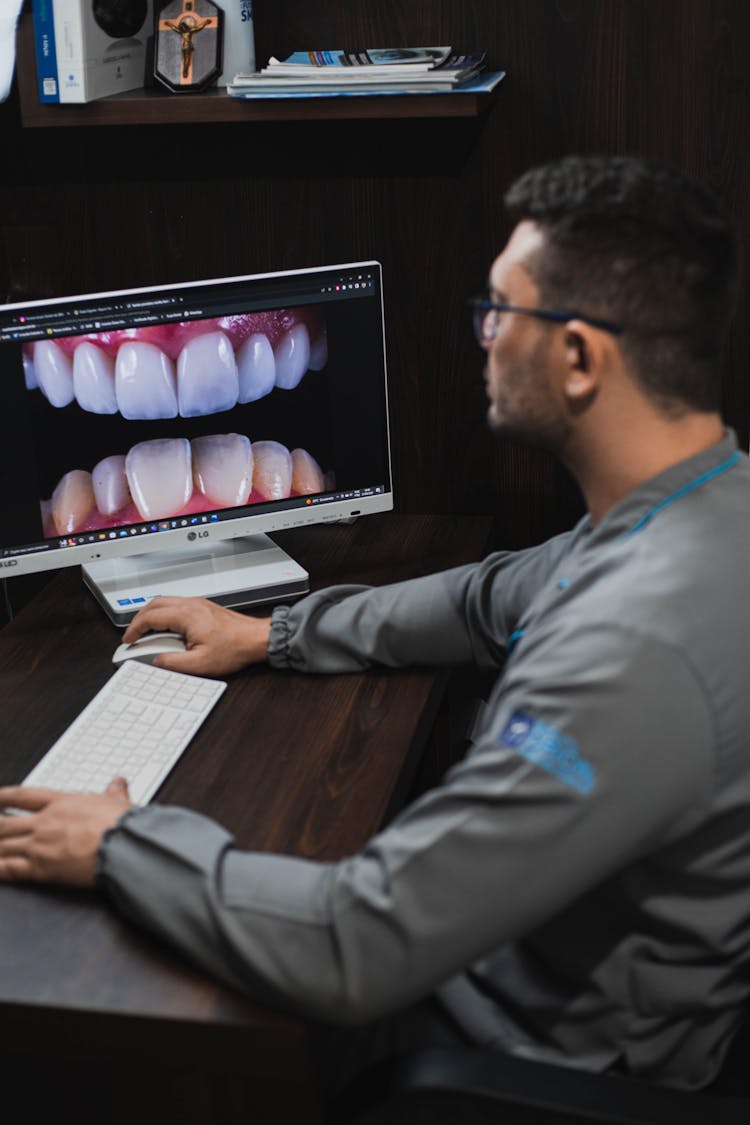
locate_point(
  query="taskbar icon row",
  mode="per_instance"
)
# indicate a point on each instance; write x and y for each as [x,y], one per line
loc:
[140,529]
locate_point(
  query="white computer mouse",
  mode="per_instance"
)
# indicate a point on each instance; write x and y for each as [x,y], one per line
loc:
[146,648]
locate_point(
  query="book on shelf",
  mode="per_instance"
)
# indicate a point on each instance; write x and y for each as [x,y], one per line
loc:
[85,51]
[449,71]
[281,89]
[395,58]
[481,83]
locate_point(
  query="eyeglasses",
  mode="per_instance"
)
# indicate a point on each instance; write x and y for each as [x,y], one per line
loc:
[486,318]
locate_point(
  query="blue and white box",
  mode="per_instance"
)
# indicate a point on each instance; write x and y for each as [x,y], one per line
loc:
[86,51]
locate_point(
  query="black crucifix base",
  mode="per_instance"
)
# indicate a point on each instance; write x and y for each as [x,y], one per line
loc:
[188,45]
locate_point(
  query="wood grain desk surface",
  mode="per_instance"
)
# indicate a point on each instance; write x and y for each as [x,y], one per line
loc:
[298,764]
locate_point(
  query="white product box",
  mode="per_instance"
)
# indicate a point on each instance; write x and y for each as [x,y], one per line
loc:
[87,51]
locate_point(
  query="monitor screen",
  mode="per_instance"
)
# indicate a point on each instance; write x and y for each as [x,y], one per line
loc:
[172,418]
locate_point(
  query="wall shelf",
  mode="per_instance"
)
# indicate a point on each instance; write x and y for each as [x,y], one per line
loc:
[159,107]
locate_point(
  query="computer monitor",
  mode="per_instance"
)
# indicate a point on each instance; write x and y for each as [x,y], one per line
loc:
[155,435]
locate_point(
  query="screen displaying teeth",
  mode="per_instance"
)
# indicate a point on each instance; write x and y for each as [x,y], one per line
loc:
[256,368]
[223,468]
[29,374]
[167,477]
[110,485]
[141,382]
[307,476]
[72,501]
[94,379]
[53,371]
[145,382]
[292,355]
[207,380]
[159,475]
[128,379]
[319,353]
[273,469]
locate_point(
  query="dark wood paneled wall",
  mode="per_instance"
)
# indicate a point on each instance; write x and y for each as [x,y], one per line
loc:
[90,208]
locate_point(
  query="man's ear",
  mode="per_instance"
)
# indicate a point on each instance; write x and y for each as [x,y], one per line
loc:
[584,361]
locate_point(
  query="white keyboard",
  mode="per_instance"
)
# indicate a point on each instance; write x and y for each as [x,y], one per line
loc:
[135,727]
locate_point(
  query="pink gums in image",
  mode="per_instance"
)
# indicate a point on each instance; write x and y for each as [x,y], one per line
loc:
[171,338]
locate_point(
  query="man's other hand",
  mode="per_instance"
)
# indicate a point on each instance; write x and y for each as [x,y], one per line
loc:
[219,641]
[57,837]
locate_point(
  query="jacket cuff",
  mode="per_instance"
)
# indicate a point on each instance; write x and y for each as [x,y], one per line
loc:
[279,638]
[192,839]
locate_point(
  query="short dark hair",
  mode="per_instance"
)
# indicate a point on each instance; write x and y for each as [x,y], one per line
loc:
[642,246]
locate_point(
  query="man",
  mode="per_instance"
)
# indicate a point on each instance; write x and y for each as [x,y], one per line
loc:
[575,889]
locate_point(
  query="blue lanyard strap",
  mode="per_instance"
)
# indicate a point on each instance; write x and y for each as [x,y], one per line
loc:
[717,471]
[514,638]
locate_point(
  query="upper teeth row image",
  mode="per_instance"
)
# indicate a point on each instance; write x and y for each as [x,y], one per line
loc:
[185,370]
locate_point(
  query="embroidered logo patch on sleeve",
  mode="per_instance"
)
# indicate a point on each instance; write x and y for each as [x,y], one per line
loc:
[549,749]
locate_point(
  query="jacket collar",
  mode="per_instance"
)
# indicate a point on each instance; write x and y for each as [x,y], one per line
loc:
[636,510]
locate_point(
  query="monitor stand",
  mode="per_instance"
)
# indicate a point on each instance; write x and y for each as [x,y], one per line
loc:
[233,572]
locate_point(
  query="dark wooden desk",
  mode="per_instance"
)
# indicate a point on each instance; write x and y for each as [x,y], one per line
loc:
[290,763]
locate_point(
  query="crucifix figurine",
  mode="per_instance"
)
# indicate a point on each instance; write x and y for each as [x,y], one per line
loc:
[187,27]
[188,47]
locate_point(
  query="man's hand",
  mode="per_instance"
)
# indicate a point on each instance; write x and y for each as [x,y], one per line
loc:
[218,640]
[58,840]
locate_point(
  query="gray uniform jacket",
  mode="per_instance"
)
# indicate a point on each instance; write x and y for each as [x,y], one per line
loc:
[578,888]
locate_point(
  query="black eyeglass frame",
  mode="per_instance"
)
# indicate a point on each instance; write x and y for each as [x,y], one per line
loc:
[480,306]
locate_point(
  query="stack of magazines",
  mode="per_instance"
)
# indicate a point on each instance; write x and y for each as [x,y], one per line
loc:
[396,70]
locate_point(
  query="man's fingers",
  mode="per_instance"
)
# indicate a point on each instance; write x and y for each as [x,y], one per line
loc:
[192,661]
[118,787]
[15,868]
[19,797]
[11,827]
[138,628]
[66,829]
[164,615]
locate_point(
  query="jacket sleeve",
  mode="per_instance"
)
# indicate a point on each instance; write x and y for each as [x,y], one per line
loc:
[583,765]
[459,616]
